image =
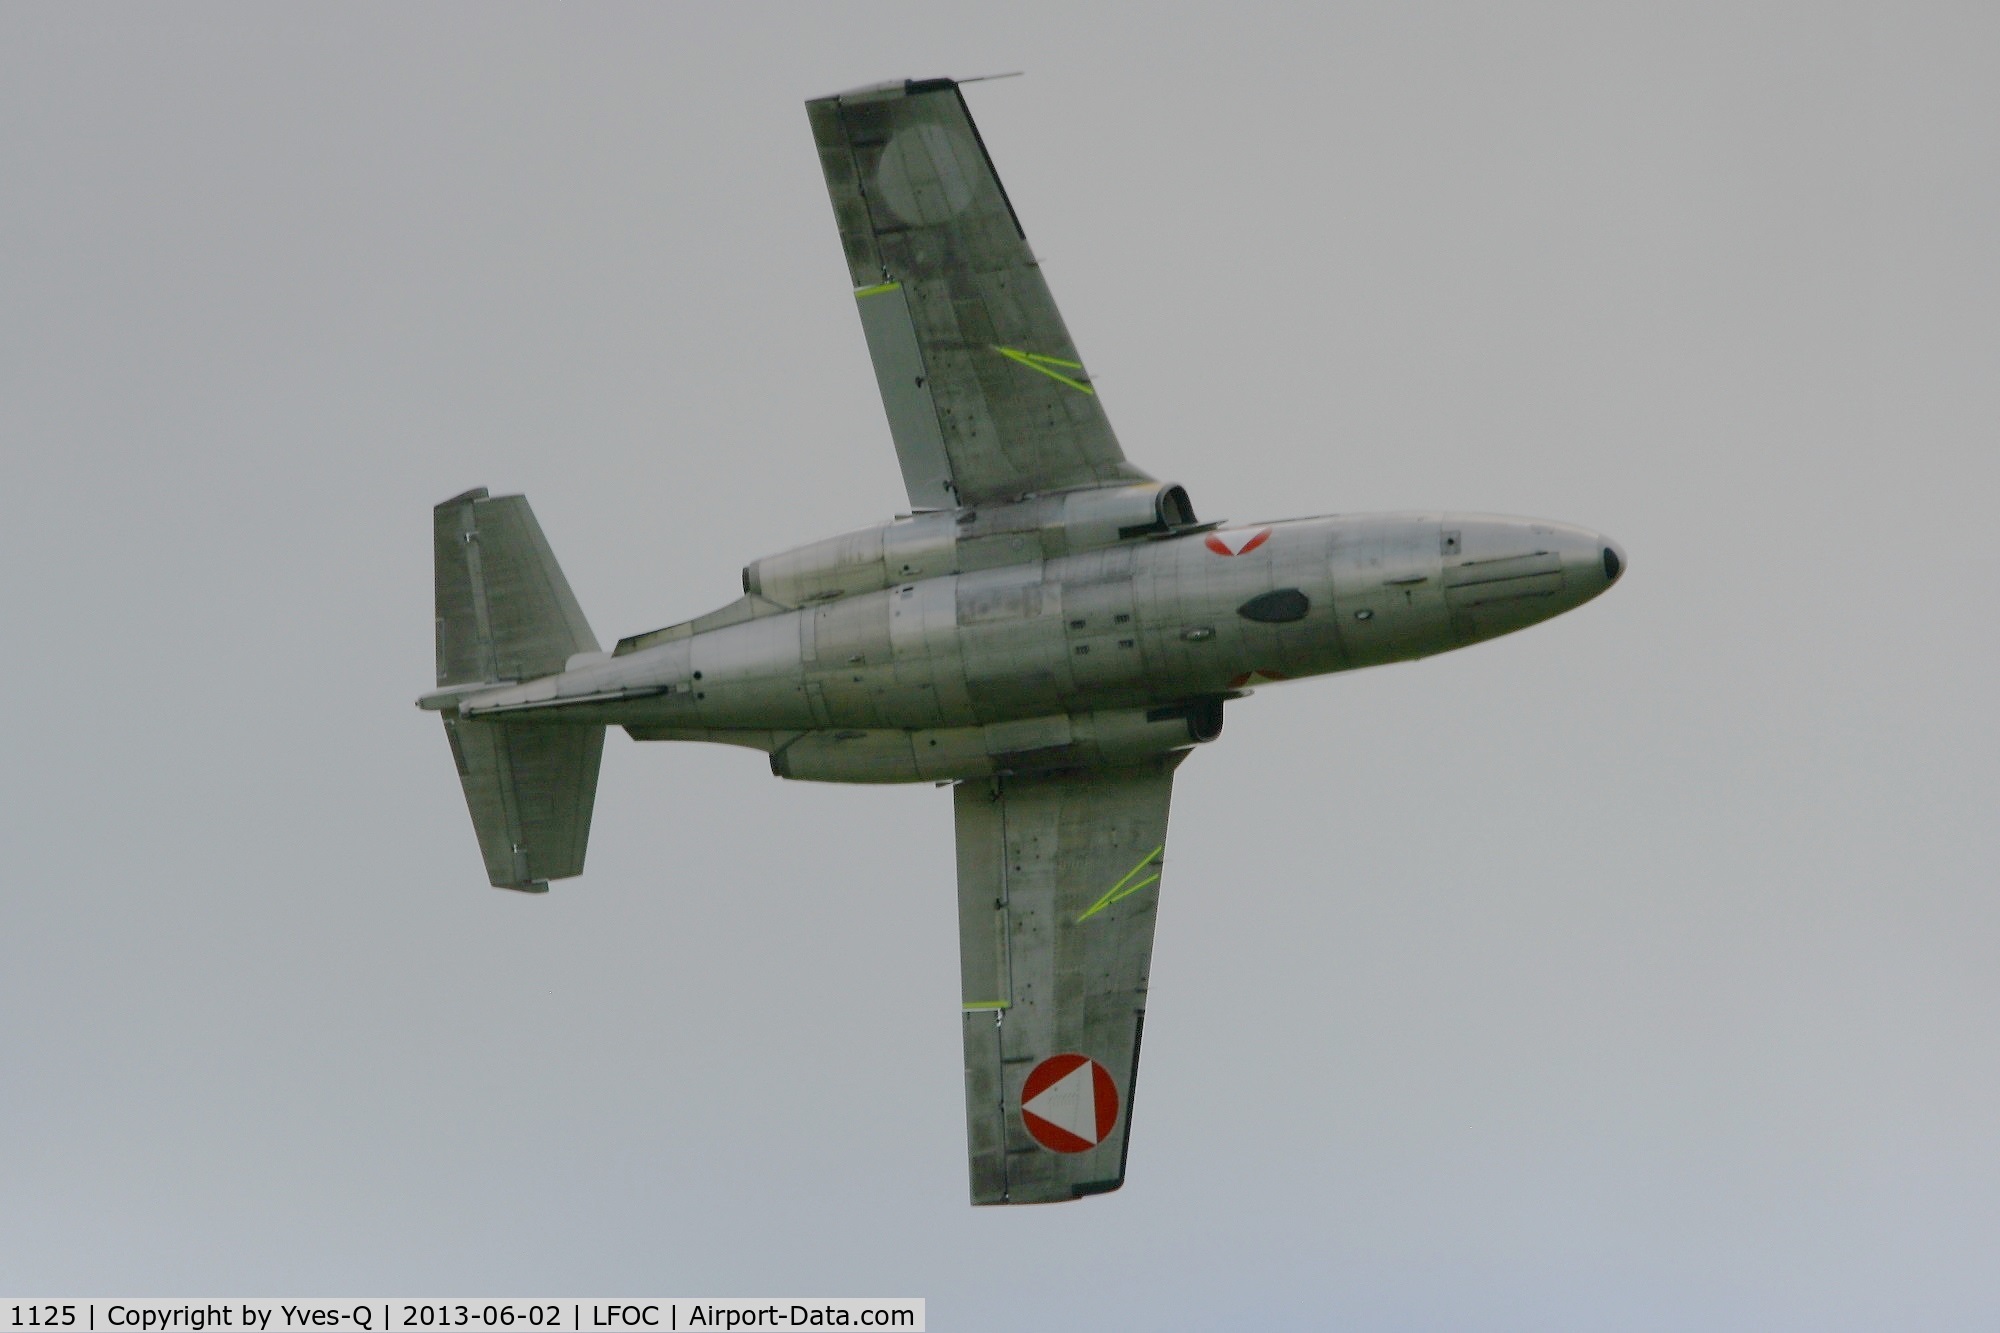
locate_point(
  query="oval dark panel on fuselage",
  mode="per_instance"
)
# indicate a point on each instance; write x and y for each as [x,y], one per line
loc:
[1277,607]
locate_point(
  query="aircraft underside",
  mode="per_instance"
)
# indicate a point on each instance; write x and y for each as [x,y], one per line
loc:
[1050,630]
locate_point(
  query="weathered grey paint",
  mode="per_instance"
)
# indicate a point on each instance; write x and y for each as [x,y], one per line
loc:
[1052,630]
[505,613]
[918,204]
[1147,623]
[1047,966]
[904,381]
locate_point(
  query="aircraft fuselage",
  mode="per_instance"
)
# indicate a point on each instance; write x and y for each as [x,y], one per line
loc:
[1124,649]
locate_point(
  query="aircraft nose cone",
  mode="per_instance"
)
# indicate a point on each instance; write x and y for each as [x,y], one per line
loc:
[1502,574]
[1613,560]
[1592,562]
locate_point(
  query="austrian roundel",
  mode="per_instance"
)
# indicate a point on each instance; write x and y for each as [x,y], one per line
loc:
[1237,541]
[1069,1103]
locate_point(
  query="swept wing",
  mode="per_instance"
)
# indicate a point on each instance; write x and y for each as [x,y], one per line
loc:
[987,397]
[1058,882]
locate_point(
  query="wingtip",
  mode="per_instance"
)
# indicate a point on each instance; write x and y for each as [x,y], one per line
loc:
[875,92]
[888,88]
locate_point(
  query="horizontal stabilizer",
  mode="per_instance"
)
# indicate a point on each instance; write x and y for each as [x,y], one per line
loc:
[504,609]
[530,789]
[506,613]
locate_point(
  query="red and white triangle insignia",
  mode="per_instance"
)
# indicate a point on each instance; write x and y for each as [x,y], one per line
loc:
[1069,1103]
[1237,541]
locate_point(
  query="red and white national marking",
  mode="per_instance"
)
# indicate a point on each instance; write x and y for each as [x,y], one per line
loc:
[1069,1103]
[1238,541]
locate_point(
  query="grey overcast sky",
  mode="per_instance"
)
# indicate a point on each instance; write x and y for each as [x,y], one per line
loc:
[1640,971]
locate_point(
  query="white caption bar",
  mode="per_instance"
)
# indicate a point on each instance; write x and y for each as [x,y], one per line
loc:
[377,1315]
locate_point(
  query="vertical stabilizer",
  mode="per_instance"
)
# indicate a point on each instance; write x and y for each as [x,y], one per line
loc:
[506,613]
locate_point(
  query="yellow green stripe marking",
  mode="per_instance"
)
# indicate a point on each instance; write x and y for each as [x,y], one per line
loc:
[981,1005]
[1126,887]
[878,289]
[1044,364]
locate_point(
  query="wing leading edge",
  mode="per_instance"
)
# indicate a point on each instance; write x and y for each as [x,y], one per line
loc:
[986,396]
[1058,880]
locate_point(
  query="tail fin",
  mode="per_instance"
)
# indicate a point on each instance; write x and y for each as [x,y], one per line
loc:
[505,612]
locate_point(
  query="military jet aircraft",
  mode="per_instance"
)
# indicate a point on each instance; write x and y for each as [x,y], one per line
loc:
[1049,630]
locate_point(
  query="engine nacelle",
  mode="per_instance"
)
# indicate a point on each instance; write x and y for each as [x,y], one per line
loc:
[918,547]
[928,545]
[1111,514]
[1033,745]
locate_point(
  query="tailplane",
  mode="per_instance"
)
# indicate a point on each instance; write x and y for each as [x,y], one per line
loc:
[506,613]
